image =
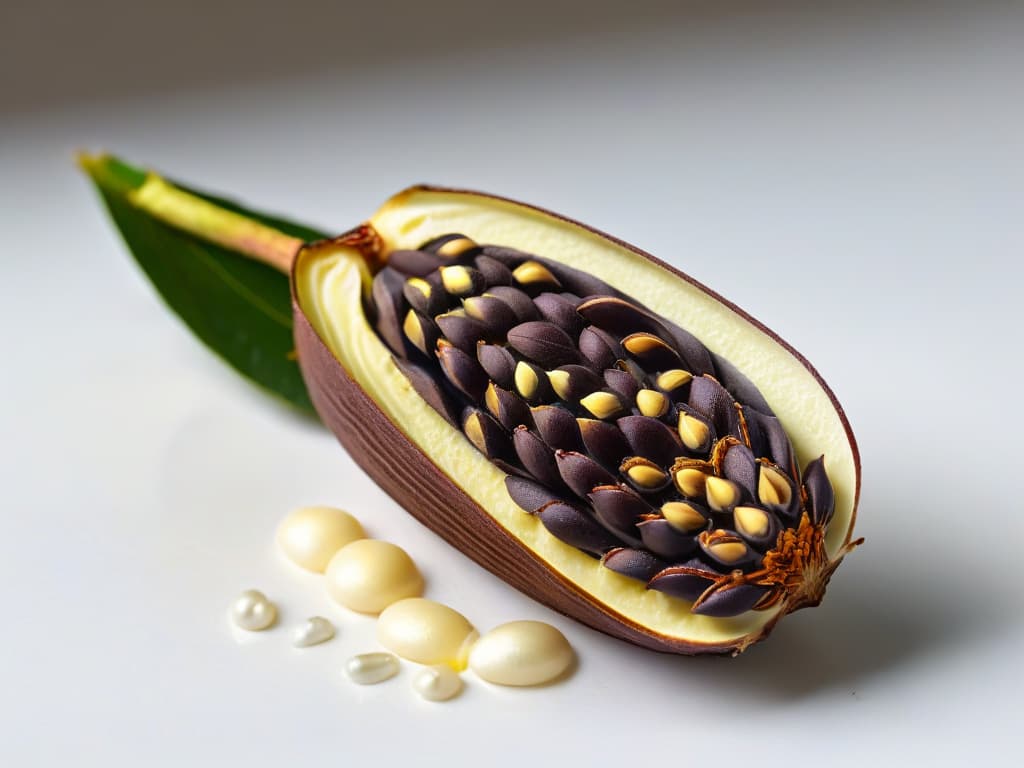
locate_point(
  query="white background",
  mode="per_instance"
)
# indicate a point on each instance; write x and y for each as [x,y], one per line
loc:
[854,178]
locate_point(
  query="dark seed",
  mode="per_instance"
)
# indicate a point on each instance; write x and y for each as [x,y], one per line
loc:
[688,581]
[486,434]
[776,444]
[421,332]
[729,600]
[575,527]
[557,427]
[494,272]
[492,313]
[510,257]
[497,362]
[560,311]
[634,563]
[516,300]
[544,343]
[415,263]
[461,280]
[536,457]
[604,442]
[821,499]
[665,541]
[740,466]
[651,439]
[622,383]
[387,298]
[619,509]
[696,358]
[581,473]
[618,316]
[461,330]
[653,353]
[462,371]
[528,495]
[428,387]
[599,349]
[509,409]
[579,282]
[711,400]
[740,386]
[426,295]
[573,382]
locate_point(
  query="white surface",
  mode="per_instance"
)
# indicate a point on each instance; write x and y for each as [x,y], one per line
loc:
[854,181]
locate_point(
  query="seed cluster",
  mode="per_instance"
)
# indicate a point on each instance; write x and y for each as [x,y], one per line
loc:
[617,429]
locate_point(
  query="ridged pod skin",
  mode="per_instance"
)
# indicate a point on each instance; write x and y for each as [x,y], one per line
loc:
[364,413]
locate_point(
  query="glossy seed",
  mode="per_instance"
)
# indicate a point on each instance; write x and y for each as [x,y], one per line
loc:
[426,632]
[498,363]
[651,352]
[694,432]
[684,516]
[544,343]
[634,563]
[521,653]
[581,473]
[421,332]
[557,427]
[617,315]
[533,274]
[463,371]
[536,457]
[429,388]
[575,527]
[671,380]
[643,474]
[602,404]
[456,247]
[371,668]
[652,403]
[722,494]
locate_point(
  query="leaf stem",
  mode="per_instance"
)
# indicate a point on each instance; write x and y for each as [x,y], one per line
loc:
[198,217]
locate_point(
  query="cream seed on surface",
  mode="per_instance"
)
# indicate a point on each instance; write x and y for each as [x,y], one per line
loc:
[310,536]
[426,632]
[521,653]
[369,575]
[312,631]
[371,668]
[439,683]
[252,611]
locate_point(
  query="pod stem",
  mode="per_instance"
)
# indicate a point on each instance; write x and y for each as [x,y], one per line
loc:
[192,214]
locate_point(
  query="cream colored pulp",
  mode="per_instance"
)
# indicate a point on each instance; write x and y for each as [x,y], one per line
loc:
[331,281]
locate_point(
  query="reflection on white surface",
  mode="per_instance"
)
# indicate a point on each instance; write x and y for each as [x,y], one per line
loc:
[851,177]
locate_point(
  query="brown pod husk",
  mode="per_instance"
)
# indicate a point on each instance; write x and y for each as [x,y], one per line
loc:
[392,437]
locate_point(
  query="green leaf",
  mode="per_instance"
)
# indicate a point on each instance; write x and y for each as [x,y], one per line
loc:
[239,307]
